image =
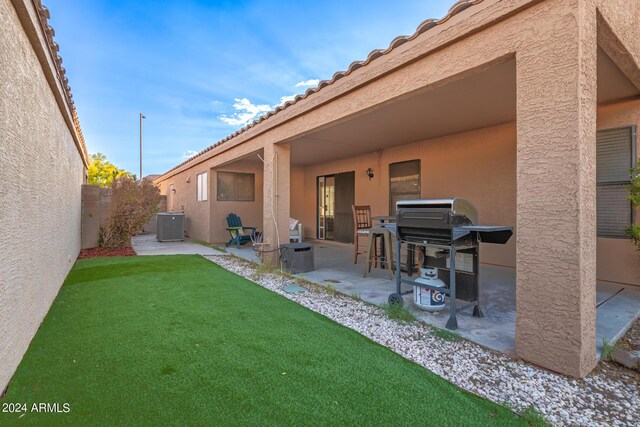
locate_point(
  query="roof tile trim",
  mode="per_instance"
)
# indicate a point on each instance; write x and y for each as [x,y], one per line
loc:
[426,25]
[43,17]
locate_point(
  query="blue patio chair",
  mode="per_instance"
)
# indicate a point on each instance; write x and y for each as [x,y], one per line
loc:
[237,231]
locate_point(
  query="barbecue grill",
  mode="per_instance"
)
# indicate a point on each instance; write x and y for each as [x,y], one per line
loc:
[448,226]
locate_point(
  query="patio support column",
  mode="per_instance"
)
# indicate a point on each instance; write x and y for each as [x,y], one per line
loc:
[277,166]
[556,193]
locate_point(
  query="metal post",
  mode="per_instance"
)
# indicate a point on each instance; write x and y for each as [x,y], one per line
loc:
[452,323]
[141,117]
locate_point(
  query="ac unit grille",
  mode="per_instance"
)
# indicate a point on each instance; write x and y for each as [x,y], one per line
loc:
[170,226]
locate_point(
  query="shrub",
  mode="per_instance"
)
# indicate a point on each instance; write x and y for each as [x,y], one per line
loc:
[607,350]
[634,191]
[133,204]
[398,313]
[634,233]
[446,335]
[634,197]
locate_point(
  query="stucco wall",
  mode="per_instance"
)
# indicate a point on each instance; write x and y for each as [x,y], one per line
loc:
[250,212]
[298,200]
[479,166]
[41,172]
[184,199]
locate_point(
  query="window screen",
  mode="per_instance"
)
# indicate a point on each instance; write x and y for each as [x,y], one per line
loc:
[238,187]
[404,182]
[201,187]
[614,158]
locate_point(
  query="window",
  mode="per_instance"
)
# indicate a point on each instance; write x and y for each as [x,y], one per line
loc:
[236,187]
[201,187]
[404,182]
[615,155]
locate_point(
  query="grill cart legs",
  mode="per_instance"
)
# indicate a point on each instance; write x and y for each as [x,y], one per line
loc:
[452,323]
[396,297]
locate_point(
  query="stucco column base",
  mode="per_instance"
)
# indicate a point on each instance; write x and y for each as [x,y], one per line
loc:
[556,194]
[276,208]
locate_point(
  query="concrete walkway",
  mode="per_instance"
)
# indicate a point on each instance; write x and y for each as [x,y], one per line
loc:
[147,244]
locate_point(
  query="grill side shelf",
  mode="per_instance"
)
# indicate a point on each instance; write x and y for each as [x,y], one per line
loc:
[495,234]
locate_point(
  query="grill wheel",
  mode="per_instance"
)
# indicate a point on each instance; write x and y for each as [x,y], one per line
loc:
[396,299]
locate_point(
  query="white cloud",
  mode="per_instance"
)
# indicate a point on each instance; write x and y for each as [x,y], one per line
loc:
[310,82]
[189,153]
[287,98]
[246,112]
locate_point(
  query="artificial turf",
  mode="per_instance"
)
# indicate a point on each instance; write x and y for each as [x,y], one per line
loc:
[177,340]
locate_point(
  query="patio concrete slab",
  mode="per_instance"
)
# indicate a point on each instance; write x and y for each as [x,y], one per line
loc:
[246,252]
[147,244]
[616,315]
[618,305]
[606,290]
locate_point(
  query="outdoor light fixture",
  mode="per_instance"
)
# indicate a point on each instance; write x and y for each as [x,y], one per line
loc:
[173,190]
[370,173]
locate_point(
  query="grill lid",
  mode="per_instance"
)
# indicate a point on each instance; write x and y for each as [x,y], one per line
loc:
[457,206]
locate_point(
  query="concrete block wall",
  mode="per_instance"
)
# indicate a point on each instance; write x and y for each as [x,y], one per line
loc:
[96,207]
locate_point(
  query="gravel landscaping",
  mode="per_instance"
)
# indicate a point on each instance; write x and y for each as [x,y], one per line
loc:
[627,351]
[609,396]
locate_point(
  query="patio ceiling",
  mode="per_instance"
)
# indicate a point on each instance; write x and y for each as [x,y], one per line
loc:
[484,99]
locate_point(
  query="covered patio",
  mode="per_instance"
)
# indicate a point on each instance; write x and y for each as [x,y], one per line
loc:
[445,148]
[617,305]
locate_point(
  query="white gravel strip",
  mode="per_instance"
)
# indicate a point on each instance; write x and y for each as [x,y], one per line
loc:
[606,397]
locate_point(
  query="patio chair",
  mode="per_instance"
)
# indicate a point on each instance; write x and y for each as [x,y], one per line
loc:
[361,227]
[237,231]
[295,230]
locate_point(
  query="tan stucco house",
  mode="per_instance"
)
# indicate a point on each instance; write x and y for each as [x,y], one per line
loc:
[509,103]
[43,164]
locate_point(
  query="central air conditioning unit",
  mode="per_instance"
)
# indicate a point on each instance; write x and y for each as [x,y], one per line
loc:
[170,226]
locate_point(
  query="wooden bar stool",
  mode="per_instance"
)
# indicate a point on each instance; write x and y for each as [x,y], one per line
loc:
[384,259]
[361,227]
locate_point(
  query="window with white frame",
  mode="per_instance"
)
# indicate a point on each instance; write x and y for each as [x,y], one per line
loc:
[615,156]
[201,187]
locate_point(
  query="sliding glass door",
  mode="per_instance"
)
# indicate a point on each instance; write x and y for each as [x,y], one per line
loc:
[336,194]
[326,206]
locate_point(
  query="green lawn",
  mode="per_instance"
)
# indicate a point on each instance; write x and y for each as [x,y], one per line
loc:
[175,340]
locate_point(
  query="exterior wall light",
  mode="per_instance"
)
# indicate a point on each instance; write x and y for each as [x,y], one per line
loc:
[370,173]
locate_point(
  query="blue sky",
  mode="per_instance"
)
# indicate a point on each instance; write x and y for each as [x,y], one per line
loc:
[199,69]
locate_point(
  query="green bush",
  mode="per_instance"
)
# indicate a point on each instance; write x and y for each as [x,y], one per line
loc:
[133,204]
[634,197]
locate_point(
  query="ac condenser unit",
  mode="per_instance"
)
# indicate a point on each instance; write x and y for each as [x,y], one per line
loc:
[170,226]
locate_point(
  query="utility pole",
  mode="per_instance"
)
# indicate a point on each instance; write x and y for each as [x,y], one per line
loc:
[141,117]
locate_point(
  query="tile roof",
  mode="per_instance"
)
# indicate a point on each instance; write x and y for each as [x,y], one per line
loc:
[43,17]
[426,25]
